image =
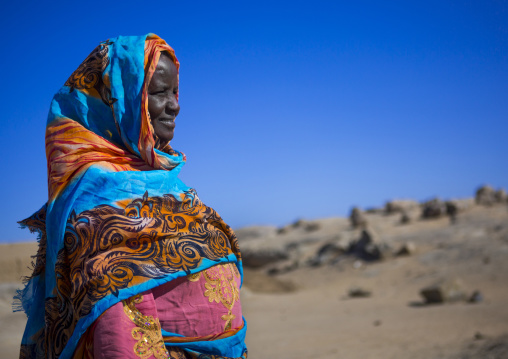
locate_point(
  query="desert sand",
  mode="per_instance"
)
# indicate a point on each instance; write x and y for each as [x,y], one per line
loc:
[301,305]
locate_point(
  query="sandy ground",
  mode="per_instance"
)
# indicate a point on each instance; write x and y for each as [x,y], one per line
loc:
[306,312]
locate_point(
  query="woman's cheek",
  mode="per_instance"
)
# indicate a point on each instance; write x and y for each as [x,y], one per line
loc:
[155,107]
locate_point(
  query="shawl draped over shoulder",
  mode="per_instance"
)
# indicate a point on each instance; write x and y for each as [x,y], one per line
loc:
[118,221]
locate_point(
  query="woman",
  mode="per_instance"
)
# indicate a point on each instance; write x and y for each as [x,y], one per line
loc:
[130,263]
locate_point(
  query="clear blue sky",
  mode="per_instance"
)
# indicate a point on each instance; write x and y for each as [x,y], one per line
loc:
[288,108]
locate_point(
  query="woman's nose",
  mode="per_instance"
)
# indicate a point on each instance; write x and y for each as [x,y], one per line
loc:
[172,106]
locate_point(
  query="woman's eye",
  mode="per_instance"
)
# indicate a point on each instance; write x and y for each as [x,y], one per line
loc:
[163,92]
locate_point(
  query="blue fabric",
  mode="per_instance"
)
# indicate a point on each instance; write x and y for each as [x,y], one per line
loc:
[231,347]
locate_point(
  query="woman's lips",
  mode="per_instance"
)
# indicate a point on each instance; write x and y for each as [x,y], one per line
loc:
[169,122]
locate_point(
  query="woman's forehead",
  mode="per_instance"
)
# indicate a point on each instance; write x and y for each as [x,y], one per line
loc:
[165,65]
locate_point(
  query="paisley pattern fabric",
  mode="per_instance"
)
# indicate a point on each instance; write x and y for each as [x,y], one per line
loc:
[118,221]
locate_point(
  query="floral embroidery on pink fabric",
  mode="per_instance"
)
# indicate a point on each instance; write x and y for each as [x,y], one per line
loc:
[221,287]
[147,331]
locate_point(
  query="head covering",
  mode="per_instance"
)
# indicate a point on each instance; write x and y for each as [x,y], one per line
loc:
[118,221]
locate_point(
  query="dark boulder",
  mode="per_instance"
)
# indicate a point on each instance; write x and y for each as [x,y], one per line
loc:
[445,291]
[366,247]
[434,208]
[357,218]
[256,258]
[329,253]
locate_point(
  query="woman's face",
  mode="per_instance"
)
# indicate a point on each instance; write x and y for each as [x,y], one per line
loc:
[162,99]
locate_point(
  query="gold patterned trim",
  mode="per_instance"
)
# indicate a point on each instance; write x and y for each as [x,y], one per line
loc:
[147,331]
[194,277]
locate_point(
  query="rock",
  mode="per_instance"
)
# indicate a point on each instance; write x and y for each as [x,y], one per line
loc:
[400,206]
[286,229]
[357,292]
[298,223]
[303,253]
[478,336]
[377,323]
[308,226]
[259,258]
[452,208]
[282,267]
[501,196]
[434,208]
[328,254]
[486,196]
[366,247]
[405,218]
[476,297]
[282,230]
[357,218]
[406,249]
[445,291]
[312,226]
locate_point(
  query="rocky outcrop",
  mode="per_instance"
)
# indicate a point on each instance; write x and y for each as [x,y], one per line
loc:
[400,206]
[452,209]
[277,257]
[257,258]
[329,241]
[300,224]
[434,208]
[357,218]
[367,247]
[486,196]
[329,253]
[501,196]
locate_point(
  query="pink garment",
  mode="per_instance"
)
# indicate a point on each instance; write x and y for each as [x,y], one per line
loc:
[201,304]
